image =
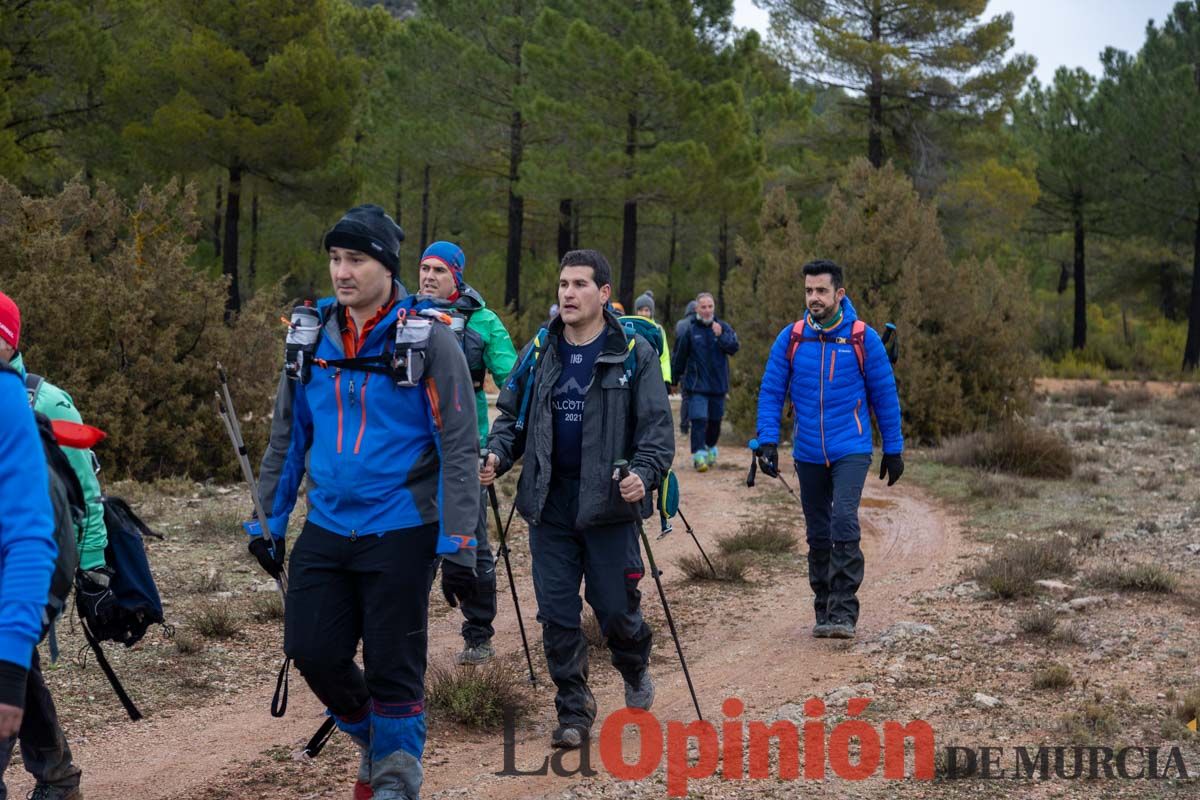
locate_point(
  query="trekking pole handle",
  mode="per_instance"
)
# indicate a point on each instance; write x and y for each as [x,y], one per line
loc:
[753,445]
[620,469]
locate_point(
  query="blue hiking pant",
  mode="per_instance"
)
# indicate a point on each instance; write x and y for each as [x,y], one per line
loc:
[609,559]
[705,412]
[830,496]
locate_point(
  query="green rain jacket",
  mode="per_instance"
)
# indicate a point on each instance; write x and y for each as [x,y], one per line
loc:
[57,404]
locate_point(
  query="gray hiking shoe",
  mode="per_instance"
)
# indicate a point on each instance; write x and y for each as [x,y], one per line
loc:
[840,630]
[474,655]
[642,695]
[569,737]
[44,791]
[821,630]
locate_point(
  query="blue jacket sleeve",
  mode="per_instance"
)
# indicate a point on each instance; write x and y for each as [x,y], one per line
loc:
[882,395]
[27,548]
[727,341]
[282,499]
[773,389]
[683,351]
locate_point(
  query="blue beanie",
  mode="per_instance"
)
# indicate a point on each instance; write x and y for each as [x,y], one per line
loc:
[449,254]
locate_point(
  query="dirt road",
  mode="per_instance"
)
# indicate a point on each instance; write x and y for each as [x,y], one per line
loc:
[749,641]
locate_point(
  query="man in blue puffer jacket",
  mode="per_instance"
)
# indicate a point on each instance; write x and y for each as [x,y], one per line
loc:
[27,548]
[391,452]
[836,370]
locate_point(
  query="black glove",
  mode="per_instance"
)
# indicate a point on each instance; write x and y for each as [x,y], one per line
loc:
[892,466]
[459,583]
[768,460]
[269,557]
[94,596]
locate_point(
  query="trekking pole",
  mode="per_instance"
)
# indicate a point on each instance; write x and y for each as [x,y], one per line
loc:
[620,472]
[692,533]
[229,417]
[495,502]
[753,445]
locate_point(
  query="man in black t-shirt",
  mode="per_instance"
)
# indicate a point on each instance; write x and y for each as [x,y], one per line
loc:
[593,396]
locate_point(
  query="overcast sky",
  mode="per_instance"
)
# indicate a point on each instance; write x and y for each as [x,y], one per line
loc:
[1056,32]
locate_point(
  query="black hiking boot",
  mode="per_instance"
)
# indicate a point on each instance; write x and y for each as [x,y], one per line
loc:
[818,579]
[846,567]
[569,737]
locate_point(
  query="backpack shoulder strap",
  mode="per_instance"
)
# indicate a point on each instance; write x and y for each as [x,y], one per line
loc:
[33,385]
[797,336]
[858,340]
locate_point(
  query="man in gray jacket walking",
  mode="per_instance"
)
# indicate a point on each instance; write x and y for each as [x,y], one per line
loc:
[585,389]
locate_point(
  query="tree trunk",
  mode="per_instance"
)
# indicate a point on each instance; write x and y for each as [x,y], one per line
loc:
[1191,351]
[253,268]
[425,210]
[576,215]
[630,222]
[216,228]
[1168,300]
[722,262]
[875,99]
[565,214]
[670,298]
[229,262]
[398,200]
[516,214]
[1079,340]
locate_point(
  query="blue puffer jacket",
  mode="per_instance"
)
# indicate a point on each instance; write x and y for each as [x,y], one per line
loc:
[27,548]
[831,396]
[701,360]
[379,457]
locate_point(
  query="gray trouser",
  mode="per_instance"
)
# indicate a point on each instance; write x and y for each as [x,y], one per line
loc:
[480,610]
[44,748]
[609,559]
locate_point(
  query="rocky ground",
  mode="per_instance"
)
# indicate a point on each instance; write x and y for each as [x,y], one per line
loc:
[1087,657]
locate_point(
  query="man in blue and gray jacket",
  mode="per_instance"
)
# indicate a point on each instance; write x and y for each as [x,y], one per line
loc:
[836,370]
[27,549]
[391,450]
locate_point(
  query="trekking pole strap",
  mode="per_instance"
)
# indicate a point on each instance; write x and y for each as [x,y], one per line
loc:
[319,739]
[106,668]
[279,700]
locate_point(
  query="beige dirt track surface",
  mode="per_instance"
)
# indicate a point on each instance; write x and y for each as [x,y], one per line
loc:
[749,641]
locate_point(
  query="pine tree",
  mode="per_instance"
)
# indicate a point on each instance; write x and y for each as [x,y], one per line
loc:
[899,60]
[1061,124]
[253,88]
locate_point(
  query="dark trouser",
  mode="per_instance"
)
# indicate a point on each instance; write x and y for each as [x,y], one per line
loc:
[683,410]
[705,412]
[44,748]
[480,611]
[830,496]
[373,588]
[610,560]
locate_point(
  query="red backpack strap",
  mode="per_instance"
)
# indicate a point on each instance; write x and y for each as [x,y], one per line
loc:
[796,338]
[858,340]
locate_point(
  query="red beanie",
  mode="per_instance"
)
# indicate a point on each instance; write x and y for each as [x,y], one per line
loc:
[10,321]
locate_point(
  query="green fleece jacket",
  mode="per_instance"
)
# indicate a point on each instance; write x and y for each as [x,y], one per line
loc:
[57,404]
[499,356]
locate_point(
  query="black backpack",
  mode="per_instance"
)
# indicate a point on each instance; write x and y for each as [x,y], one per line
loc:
[66,496]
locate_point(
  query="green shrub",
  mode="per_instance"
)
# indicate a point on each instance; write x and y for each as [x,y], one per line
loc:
[729,567]
[114,313]
[1013,567]
[1135,578]
[1017,449]
[478,696]
[1040,621]
[758,537]
[1055,676]
[215,620]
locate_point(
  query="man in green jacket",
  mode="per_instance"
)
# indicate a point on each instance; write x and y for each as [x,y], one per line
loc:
[44,748]
[488,348]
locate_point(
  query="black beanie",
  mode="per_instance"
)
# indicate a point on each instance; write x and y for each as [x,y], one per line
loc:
[369,230]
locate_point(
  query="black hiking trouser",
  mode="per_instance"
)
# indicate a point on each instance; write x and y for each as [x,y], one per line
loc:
[480,611]
[609,559]
[371,588]
[831,496]
[44,749]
